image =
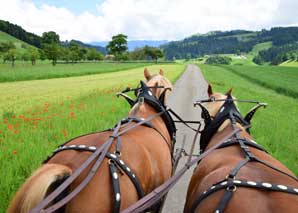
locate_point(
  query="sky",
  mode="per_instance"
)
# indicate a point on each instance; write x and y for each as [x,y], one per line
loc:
[99,20]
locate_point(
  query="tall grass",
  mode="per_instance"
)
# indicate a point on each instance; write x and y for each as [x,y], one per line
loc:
[283,80]
[274,127]
[28,136]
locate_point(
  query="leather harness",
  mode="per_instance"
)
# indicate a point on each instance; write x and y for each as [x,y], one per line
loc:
[230,183]
[116,164]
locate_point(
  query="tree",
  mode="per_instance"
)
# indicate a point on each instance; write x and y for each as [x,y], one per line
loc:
[50,38]
[118,46]
[74,51]
[33,55]
[52,52]
[258,60]
[93,54]
[65,54]
[25,56]
[50,45]
[153,52]
[11,55]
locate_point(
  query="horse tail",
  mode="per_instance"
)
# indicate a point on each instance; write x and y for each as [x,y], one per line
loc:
[38,186]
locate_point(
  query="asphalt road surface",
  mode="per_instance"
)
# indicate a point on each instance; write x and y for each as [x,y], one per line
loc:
[190,87]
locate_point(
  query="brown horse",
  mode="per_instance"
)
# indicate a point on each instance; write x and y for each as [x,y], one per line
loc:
[240,176]
[145,150]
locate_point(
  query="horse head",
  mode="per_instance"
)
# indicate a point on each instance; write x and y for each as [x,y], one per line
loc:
[159,84]
[213,107]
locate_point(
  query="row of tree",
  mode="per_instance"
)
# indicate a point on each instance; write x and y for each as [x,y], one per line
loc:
[71,52]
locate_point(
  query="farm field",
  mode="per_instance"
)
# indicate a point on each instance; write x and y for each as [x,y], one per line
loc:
[283,80]
[25,71]
[274,127]
[46,113]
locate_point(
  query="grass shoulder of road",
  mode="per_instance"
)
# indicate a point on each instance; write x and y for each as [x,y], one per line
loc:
[283,80]
[274,127]
[49,112]
[25,71]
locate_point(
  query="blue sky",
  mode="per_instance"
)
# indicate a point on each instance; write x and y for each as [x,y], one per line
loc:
[99,20]
[76,6]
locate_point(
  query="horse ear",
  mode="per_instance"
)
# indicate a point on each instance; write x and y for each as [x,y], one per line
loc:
[147,74]
[229,92]
[161,72]
[210,92]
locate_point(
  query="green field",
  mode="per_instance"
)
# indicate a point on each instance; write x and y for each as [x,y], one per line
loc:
[283,80]
[261,46]
[290,64]
[274,127]
[45,113]
[26,71]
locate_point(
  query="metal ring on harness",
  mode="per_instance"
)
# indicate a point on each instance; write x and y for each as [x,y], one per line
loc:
[232,188]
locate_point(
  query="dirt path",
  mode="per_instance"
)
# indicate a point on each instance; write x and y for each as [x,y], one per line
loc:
[190,87]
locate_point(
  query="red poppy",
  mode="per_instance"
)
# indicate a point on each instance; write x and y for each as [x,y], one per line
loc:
[10,127]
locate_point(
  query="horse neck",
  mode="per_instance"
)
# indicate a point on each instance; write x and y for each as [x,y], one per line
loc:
[144,110]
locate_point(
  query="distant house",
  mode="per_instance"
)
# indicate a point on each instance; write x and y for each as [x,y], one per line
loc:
[109,57]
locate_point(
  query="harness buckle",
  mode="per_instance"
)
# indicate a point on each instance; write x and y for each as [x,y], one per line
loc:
[118,153]
[229,176]
[232,188]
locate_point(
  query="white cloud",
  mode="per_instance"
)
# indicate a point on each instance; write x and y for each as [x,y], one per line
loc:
[148,19]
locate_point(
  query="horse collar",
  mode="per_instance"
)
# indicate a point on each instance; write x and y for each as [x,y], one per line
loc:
[225,112]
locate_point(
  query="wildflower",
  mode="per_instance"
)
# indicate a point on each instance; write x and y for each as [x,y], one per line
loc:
[10,127]
[64,132]
[16,132]
[72,114]
[21,117]
[14,152]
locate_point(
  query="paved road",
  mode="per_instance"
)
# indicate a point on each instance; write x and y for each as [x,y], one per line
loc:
[190,87]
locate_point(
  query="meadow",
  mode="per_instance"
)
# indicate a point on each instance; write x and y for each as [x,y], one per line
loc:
[25,71]
[49,112]
[275,127]
[283,80]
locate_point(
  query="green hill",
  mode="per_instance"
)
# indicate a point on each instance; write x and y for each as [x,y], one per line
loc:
[234,42]
[20,45]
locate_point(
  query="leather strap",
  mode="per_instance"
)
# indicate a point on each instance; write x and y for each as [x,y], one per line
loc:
[155,196]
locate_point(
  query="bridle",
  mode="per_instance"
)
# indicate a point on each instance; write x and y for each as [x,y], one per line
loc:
[229,111]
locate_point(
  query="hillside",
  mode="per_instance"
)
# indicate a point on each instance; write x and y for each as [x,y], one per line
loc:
[230,42]
[20,45]
[20,34]
[84,45]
